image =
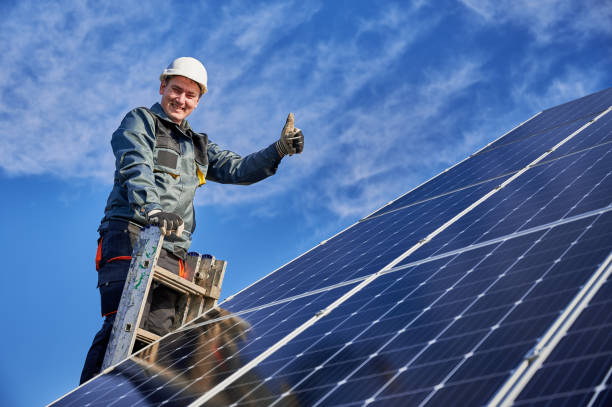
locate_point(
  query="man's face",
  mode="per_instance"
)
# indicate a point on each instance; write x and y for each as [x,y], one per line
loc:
[179,97]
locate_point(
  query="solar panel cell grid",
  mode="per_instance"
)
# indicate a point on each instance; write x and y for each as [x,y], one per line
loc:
[381,328]
[183,365]
[487,165]
[596,134]
[553,191]
[463,325]
[593,103]
[581,362]
[361,250]
[578,109]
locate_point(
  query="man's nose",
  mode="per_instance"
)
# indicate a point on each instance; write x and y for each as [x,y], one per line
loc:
[181,98]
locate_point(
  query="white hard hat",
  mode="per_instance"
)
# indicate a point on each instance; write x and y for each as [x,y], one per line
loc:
[189,68]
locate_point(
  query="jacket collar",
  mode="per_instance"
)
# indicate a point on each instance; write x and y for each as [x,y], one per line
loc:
[159,111]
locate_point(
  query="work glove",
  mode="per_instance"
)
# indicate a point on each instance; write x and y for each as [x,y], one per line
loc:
[169,223]
[291,139]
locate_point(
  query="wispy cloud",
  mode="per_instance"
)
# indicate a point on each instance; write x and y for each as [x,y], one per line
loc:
[571,85]
[378,115]
[384,142]
[68,83]
[548,20]
[320,82]
[76,70]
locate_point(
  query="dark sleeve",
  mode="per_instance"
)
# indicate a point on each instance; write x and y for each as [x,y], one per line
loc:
[133,144]
[227,167]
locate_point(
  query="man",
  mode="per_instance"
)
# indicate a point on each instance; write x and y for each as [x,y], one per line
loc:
[160,162]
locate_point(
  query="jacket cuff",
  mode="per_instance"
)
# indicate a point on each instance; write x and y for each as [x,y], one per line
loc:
[276,147]
[145,209]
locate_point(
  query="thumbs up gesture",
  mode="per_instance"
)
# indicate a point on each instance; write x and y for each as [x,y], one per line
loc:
[291,139]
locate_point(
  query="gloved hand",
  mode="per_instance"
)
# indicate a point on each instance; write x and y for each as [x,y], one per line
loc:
[169,223]
[291,139]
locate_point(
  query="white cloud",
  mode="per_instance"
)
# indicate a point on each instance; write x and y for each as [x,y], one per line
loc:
[377,119]
[76,70]
[66,88]
[548,20]
[572,84]
[378,153]
[341,141]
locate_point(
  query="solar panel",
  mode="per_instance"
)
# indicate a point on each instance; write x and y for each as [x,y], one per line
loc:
[488,164]
[587,106]
[558,189]
[578,372]
[443,330]
[361,250]
[485,285]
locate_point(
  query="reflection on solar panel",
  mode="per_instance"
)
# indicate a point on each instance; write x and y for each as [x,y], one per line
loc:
[486,285]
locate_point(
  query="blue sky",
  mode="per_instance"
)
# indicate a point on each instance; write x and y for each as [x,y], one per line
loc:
[387,93]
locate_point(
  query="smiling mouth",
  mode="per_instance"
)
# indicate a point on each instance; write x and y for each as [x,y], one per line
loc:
[177,109]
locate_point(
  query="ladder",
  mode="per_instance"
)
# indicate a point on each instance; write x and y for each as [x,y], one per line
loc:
[199,291]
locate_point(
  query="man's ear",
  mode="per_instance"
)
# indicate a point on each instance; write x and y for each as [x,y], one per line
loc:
[162,87]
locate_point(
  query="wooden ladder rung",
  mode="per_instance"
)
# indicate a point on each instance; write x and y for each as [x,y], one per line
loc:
[177,283]
[146,336]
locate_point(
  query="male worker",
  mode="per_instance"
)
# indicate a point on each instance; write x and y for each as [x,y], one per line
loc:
[160,162]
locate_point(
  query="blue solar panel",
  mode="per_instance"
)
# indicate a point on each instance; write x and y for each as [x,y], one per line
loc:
[558,189]
[578,109]
[599,133]
[442,328]
[579,370]
[182,366]
[396,310]
[488,164]
[361,250]
[584,106]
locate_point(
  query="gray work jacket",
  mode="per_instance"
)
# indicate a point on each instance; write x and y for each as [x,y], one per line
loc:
[160,164]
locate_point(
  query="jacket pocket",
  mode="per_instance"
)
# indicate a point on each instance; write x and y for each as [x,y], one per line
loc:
[164,139]
[200,148]
[167,152]
[167,159]
[115,255]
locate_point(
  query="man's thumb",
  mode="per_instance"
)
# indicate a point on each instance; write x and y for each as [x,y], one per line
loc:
[290,122]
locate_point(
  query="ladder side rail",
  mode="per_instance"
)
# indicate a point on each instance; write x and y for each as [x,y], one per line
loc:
[144,258]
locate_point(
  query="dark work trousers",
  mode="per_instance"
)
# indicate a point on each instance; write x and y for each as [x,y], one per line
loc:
[116,248]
